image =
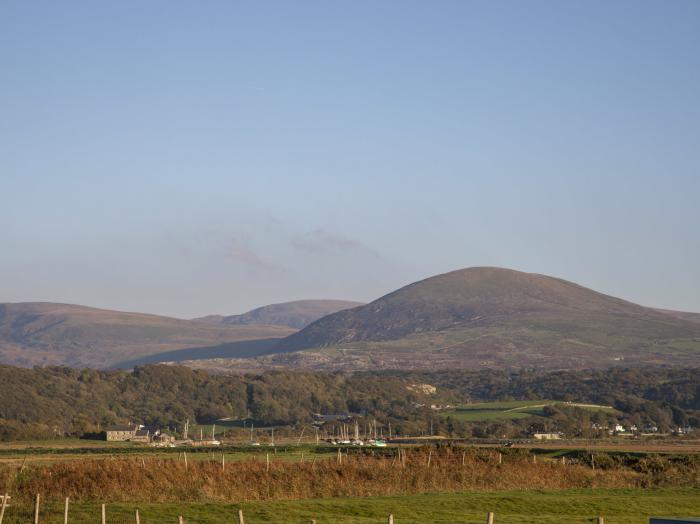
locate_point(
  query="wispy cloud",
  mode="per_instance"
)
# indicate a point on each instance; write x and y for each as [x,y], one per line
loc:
[322,241]
[243,253]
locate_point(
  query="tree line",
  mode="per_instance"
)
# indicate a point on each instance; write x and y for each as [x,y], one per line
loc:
[59,401]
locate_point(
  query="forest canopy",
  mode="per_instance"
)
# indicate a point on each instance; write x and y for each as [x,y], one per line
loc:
[61,401]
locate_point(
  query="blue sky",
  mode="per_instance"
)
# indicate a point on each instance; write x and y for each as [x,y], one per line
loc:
[189,158]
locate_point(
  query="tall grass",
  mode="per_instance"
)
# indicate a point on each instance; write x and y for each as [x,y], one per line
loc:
[361,474]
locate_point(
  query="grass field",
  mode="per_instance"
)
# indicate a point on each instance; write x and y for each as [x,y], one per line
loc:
[509,410]
[623,506]
[45,455]
[47,452]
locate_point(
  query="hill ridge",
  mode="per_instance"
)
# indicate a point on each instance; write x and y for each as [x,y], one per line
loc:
[51,333]
[295,313]
[488,313]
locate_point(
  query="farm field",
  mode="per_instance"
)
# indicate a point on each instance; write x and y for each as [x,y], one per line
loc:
[49,455]
[68,450]
[510,410]
[618,506]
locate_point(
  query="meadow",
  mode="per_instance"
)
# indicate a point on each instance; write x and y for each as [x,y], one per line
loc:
[511,410]
[446,483]
[618,506]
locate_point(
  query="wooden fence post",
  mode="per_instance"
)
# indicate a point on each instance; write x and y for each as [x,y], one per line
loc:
[500,458]
[180,520]
[241,520]
[267,462]
[223,462]
[104,514]
[4,505]
[601,520]
[65,511]
[391,519]
[36,509]
[489,518]
[138,519]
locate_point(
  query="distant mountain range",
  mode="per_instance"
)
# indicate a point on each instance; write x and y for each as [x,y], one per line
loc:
[297,314]
[488,317]
[44,333]
[50,334]
[476,317]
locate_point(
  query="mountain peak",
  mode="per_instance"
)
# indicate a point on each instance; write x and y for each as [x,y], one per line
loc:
[473,309]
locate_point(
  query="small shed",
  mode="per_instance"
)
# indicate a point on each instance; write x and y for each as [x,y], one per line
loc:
[142,435]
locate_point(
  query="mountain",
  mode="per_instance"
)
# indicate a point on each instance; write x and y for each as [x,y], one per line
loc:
[41,333]
[492,317]
[684,315]
[296,314]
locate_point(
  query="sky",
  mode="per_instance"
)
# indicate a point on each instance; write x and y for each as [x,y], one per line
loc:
[192,158]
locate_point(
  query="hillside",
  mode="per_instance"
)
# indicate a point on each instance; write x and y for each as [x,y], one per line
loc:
[296,314]
[48,334]
[491,317]
[684,315]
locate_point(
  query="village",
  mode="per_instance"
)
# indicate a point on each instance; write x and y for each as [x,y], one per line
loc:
[342,434]
[154,436]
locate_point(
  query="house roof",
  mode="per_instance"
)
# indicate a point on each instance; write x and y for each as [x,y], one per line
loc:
[142,433]
[121,427]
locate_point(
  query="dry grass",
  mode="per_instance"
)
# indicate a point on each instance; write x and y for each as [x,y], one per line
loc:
[358,475]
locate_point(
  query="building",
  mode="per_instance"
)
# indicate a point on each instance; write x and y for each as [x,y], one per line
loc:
[141,435]
[120,432]
[547,436]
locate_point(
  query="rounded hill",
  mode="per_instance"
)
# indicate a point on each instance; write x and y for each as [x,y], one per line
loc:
[466,298]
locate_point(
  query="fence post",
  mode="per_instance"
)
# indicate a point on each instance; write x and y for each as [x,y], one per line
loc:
[4,505]
[180,520]
[601,520]
[489,518]
[241,520]
[104,514]
[391,519]
[36,509]
[65,511]
[138,519]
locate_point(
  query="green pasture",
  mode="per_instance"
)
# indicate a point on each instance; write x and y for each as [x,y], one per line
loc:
[626,506]
[512,409]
